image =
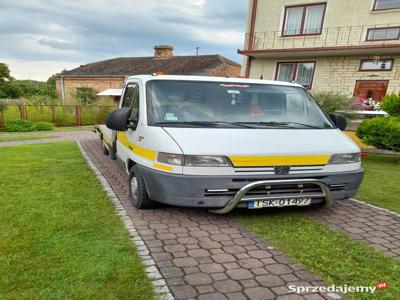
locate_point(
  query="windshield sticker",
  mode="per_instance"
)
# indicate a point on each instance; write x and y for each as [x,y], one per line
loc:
[170,117]
[234,85]
[233,92]
[233,101]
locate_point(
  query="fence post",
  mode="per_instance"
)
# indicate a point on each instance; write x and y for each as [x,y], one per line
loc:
[21,111]
[1,120]
[78,115]
[25,113]
[52,114]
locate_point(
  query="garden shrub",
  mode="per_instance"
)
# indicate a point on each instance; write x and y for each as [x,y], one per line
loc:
[332,102]
[44,126]
[383,133]
[19,126]
[391,105]
[3,106]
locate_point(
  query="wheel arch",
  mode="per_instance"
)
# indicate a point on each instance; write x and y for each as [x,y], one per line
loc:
[130,163]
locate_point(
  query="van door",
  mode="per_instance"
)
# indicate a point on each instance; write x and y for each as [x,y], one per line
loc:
[127,139]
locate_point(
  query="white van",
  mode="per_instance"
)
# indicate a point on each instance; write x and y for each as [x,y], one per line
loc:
[222,143]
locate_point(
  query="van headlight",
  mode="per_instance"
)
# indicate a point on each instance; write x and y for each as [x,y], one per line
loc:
[345,158]
[170,158]
[206,161]
[193,160]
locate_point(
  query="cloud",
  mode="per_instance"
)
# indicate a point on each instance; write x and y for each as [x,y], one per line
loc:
[67,32]
[38,70]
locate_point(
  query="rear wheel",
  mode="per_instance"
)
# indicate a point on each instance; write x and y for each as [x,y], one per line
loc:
[137,190]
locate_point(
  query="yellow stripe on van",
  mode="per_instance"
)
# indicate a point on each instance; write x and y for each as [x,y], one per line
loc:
[138,150]
[144,152]
[123,139]
[263,161]
[163,167]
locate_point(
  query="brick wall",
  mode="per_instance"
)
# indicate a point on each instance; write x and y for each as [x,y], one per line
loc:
[98,84]
[334,74]
[225,70]
[339,74]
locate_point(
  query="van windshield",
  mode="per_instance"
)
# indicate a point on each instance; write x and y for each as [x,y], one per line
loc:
[220,104]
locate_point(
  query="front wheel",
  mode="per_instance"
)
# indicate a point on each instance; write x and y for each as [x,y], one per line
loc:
[137,190]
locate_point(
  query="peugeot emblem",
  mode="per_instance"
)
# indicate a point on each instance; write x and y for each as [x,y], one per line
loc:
[281,170]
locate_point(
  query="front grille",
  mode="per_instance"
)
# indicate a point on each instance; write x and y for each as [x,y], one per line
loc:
[279,190]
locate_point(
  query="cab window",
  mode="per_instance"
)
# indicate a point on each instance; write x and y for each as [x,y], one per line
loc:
[129,95]
[135,105]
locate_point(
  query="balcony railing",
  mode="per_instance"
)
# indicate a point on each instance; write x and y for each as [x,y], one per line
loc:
[346,36]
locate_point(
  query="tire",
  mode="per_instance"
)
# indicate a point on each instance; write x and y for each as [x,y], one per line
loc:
[137,190]
[104,148]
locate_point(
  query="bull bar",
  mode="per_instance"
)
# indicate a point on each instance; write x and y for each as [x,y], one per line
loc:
[240,195]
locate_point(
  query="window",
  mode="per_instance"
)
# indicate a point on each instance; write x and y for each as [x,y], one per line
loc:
[129,95]
[376,65]
[135,107]
[303,20]
[300,72]
[386,4]
[381,34]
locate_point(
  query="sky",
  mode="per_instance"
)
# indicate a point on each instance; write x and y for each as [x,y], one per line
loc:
[42,37]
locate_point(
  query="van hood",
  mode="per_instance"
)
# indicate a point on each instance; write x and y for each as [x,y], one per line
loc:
[261,142]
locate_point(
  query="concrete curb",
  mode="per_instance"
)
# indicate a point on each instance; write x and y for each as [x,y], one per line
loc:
[160,286]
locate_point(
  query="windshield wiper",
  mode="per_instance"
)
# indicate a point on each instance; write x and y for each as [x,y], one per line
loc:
[203,123]
[307,125]
[281,124]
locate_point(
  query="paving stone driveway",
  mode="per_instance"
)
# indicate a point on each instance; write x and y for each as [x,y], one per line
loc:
[206,256]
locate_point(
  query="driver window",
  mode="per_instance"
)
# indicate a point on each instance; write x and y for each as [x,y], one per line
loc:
[128,95]
[135,107]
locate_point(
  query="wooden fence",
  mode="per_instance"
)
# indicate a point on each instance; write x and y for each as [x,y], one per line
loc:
[59,115]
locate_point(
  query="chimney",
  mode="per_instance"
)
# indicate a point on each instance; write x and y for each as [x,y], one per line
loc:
[163,51]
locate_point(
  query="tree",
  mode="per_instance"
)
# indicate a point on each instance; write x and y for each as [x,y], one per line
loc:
[8,88]
[31,89]
[5,74]
[85,95]
[51,86]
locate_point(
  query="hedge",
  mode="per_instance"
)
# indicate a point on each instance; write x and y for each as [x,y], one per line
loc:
[382,133]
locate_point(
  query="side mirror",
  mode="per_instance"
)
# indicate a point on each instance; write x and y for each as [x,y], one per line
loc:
[339,121]
[118,119]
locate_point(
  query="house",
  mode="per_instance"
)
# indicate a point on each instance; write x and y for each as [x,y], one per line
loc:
[350,47]
[107,74]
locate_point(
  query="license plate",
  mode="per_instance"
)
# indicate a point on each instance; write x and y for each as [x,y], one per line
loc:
[279,203]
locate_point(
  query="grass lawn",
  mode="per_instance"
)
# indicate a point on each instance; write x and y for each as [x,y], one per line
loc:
[56,129]
[59,235]
[381,185]
[24,137]
[333,256]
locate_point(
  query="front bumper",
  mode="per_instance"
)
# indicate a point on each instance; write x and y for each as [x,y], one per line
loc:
[202,191]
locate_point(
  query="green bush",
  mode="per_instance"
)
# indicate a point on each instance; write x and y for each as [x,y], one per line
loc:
[332,102]
[44,126]
[3,106]
[391,105]
[19,126]
[383,133]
